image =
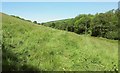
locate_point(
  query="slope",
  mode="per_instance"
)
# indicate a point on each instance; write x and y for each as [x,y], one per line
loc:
[27,46]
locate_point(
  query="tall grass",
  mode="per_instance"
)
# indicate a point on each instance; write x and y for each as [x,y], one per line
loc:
[27,46]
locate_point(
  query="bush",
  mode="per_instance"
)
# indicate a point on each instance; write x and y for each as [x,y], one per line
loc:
[112,35]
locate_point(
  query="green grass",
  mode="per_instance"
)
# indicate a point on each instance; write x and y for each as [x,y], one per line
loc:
[27,46]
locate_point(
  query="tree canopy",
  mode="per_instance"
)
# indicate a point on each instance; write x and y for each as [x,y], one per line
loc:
[98,25]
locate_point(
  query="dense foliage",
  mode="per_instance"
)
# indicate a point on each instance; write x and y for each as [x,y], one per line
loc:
[98,25]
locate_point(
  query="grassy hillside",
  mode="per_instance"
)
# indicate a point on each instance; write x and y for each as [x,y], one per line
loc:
[27,46]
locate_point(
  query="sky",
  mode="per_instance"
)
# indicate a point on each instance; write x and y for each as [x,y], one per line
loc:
[50,11]
[59,0]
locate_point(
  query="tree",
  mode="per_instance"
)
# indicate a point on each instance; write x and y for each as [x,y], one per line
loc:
[35,22]
[52,25]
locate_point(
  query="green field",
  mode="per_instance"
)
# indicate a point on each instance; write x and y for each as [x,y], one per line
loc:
[28,46]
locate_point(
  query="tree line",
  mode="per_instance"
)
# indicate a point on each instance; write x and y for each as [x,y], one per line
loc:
[99,25]
[104,25]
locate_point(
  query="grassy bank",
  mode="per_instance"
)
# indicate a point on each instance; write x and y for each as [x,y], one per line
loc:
[27,46]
